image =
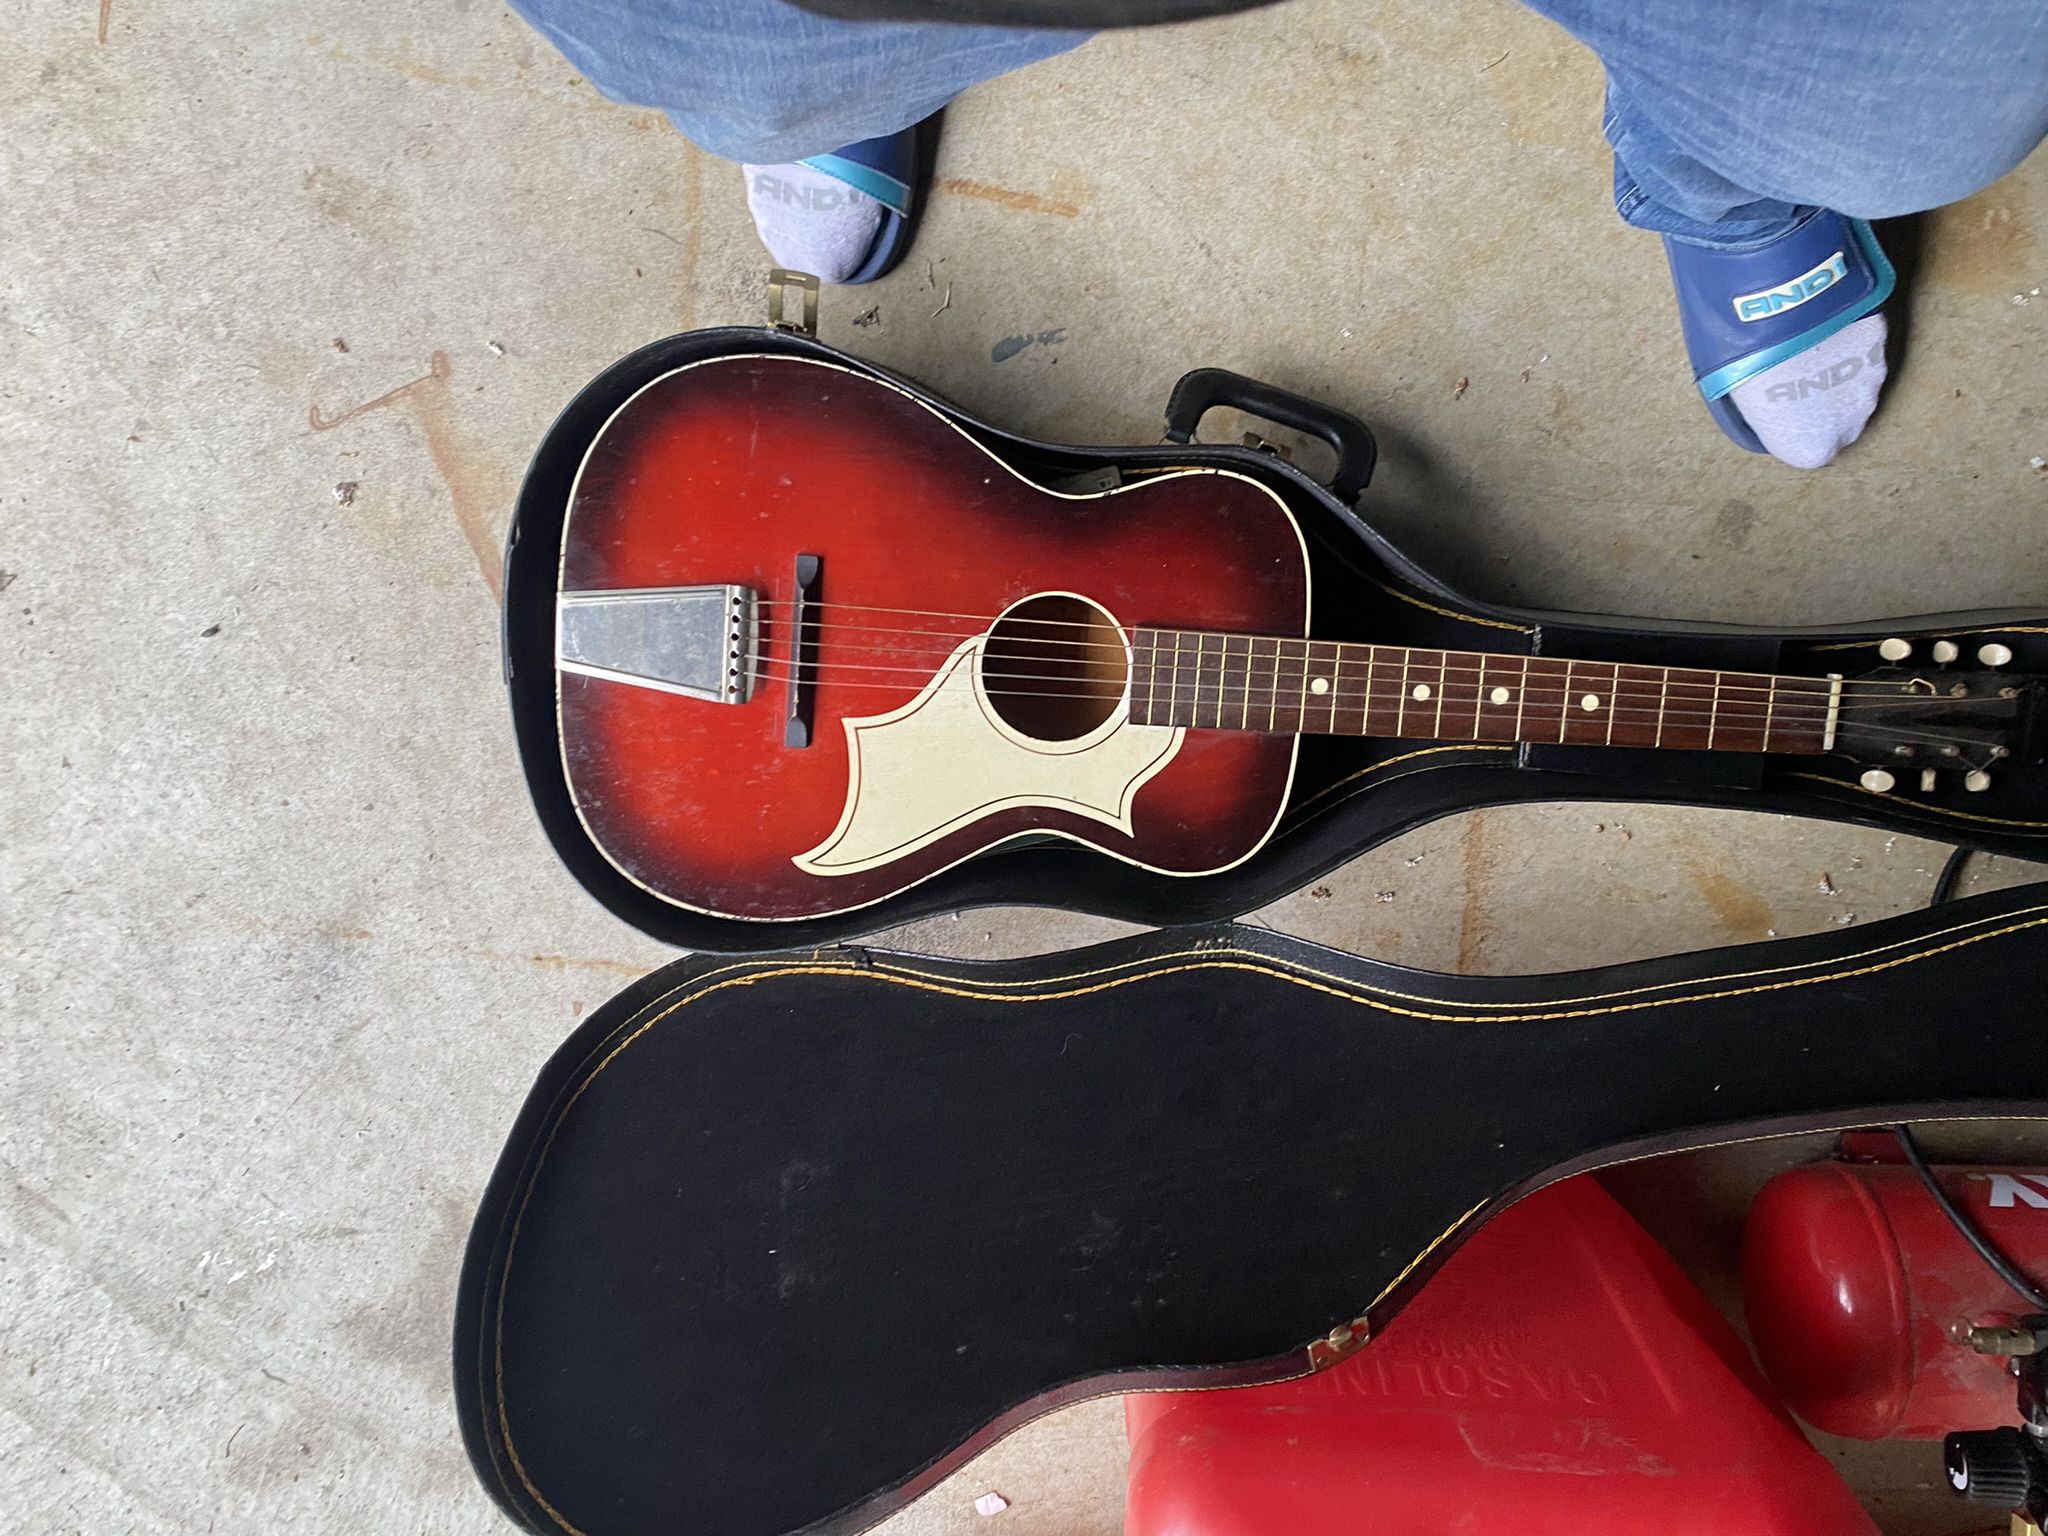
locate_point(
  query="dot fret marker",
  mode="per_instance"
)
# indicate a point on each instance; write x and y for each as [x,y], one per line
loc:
[1319,685]
[1590,702]
[1421,691]
[1498,696]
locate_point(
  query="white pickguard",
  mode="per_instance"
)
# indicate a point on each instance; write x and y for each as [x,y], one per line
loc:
[946,759]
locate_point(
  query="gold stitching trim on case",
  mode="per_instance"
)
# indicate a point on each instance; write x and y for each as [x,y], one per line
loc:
[1388,762]
[2040,828]
[1196,960]
[1450,613]
[1366,990]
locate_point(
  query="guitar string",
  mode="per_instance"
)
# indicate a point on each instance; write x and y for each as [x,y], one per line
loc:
[1671,718]
[990,619]
[1772,683]
[1457,661]
[1783,698]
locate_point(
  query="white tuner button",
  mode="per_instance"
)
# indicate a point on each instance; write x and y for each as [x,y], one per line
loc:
[1895,649]
[1994,654]
[1877,781]
[1945,650]
[1977,781]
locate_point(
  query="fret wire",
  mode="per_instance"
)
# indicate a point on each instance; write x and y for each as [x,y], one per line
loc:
[1244,710]
[1522,698]
[1336,683]
[1443,660]
[1770,704]
[1173,683]
[1401,694]
[1714,712]
[1613,698]
[1273,692]
[1564,708]
[1663,699]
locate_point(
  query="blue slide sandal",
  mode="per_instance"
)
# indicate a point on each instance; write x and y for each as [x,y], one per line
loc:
[1745,311]
[888,170]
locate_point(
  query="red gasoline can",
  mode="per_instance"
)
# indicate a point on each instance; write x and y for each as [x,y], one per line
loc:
[1856,1285]
[1560,1376]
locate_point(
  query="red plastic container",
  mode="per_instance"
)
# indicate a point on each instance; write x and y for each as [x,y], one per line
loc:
[1853,1281]
[1558,1377]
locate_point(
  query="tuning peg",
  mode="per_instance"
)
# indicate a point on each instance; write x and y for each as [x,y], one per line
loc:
[1945,650]
[1994,654]
[1977,781]
[1878,781]
[1894,649]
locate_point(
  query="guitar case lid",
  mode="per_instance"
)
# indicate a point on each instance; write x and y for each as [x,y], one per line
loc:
[778,1242]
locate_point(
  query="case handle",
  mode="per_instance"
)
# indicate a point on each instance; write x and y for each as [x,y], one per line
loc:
[1204,389]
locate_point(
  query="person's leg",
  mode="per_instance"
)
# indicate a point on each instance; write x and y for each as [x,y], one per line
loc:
[1736,125]
[769,85]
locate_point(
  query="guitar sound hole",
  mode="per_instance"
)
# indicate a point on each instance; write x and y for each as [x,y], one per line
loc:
[1053,667]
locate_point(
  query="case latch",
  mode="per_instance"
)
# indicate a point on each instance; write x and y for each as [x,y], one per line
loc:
[780,281]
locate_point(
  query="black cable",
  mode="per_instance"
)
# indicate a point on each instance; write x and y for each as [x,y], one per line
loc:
[1951,874]
[2001,1266]
[1945,888]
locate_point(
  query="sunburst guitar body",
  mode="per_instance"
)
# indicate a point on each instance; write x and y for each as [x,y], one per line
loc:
[952,677]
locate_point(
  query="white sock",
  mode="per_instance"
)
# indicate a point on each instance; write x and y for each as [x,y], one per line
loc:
[1810,407]
[812,222]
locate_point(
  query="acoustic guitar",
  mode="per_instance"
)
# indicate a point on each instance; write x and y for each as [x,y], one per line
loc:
[815,643]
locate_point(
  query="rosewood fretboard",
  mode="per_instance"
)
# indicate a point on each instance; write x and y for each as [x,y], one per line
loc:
[1325,687]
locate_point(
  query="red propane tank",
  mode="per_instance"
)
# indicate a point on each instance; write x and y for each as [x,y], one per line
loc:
[1855,1284]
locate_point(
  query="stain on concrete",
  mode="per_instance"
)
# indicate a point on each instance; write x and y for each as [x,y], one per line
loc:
[1734,522]
[583,963]
[439,370]
[347,931]
[351,933]
[1988,244]
[1744,913]
[106,17]
[478,484]
[343,199]
[1067,197]
[693,226]
[1474,926]
[1010,346]
[409,1328]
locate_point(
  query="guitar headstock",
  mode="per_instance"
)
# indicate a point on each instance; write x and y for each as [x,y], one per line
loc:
[1939,714]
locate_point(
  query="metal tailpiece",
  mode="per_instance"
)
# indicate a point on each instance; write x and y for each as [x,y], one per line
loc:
[696,641]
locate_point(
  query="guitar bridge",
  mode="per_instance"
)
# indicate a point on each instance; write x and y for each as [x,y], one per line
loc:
[701,642]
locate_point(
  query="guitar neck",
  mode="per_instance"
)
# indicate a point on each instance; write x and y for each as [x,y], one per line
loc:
[1322,687]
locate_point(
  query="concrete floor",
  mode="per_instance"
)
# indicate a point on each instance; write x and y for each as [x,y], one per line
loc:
[283,946]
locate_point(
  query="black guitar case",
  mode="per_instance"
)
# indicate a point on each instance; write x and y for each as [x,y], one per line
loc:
[778,1242]
[1350,793]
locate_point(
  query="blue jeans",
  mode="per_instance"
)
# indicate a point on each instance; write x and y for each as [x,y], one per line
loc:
[1730,119]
